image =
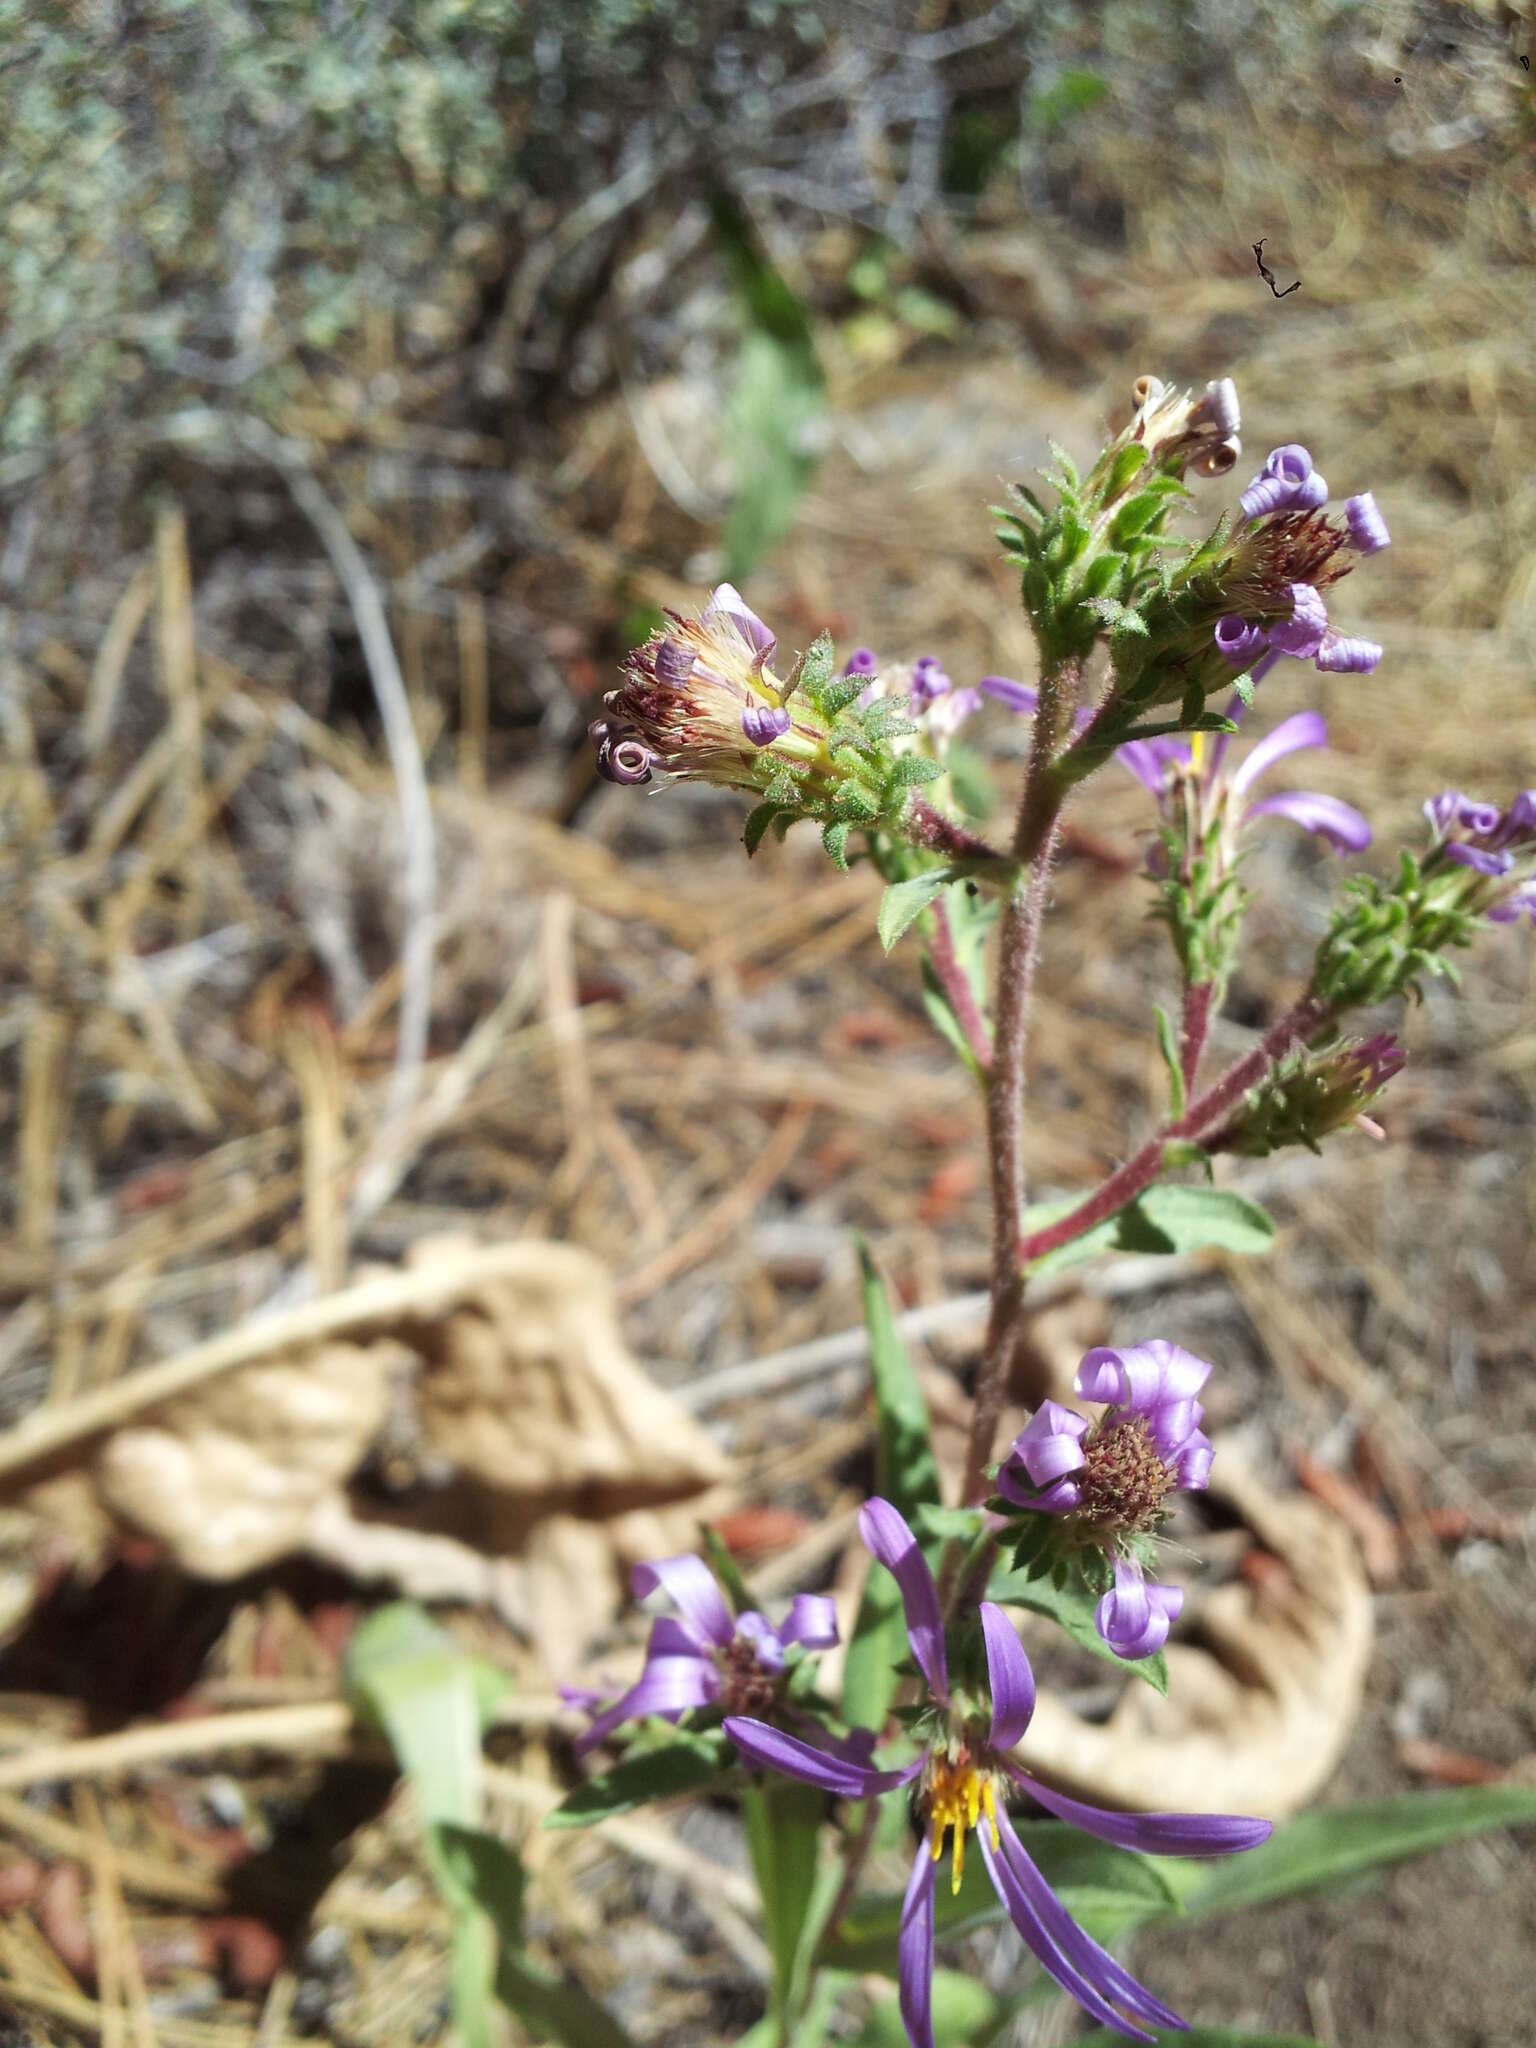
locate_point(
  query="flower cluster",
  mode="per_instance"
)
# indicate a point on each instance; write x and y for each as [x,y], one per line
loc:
[1111,1480]
[1309,1094]
[705,1656]
[1203,809]
[961,1778]
[1491,842]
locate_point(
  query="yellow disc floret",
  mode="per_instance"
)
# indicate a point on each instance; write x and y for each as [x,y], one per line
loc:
[955,1795]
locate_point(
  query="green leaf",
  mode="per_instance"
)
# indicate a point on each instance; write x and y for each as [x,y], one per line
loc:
[1071,1608]
[726,1570]
[965,2014]
[942,1017]
[1319,1849]
[907,1475]
[1168,1046]
[555,2010]
[815,669]
[756,827]
[686,1764]
[834,838]
[486,1872]
[904,902]
[1135,515]
[783,1822]
[1162,1220]
[1130,461]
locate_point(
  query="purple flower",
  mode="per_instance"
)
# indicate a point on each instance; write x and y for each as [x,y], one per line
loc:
[708,1657]
[1237,641]
[962,1778]
[861,662]
[1019,697]
[1134,1617]
[1522,903]
[1367,529]
[1114,1477]
[928,681]
[1165,765]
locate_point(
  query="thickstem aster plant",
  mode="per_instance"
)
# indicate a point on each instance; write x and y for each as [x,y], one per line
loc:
[1152,648]
[961,1778]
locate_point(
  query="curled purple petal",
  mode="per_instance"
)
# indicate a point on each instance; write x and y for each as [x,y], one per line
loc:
[1019,697]
[1141,1377]
[887,1536]
[1521,904]
[688,1584]
[776,1751]
[1237,641]
[1367,529]
[1134,1617]
[764,723]
[1520,819]
[1291,463]
[1009,1676]
[757,1630]
[1191,1462]
[811,1622]
[1059,1498]
[1308,496]
[674,663]
[1265,494]
[1051,1443]
[861,662]
[627,762]
[727,600]
[914,1952]
[1291,736]
[1023,1893]
[1343,654]
[1154,1834]
[1302,633]
[668,1686]
[1339,823]
[1477,857]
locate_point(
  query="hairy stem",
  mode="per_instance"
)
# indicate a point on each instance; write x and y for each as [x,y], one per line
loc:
[922,825]
[1196,1022]
[1299,1025]
[956,985]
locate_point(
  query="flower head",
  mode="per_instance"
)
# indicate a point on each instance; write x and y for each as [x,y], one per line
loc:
[1180,432]
[962,1777]
[1309,1094]
[705,1656]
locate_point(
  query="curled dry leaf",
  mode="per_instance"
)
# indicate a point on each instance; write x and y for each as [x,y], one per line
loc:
[228,1477]
[1258,1714]
[542,1460]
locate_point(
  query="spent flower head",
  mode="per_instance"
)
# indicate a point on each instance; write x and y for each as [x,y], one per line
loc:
[1309,1094]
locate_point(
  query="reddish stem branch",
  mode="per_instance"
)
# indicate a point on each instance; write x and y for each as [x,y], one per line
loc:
[956,984]
[924,826]
[1298,1025]
[1196,1022]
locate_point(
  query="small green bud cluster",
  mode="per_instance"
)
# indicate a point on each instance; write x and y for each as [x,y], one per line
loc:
[1308,1095]
[1386,936]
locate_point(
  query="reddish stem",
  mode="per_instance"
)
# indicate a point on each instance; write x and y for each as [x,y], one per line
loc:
[1299,1024]
[1196,1022]
[924,826]
[956,984]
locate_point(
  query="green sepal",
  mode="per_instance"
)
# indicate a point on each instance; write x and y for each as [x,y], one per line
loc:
[834,837]
[758,821]
[1169,1048]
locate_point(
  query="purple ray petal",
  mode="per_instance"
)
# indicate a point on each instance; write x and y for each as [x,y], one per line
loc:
[1141,1377]
[727,600]
[1302,633]
[1291,736]
[1367,528]
[668,1686]
[1154,1834]
[1340,654]
[1337,822]
[1009,1675]
[1016,696]
[1015,1893]
[1050,1444]
[811,1622]
[1291,463]
[929,679]
[892,1542]
[1143,764]
[762,724]
[1475,857]
[1076,1944]
[1237,641]
[1134,1617]
[687,1583]
[1060,1498]
[756,1629]
[914,1951]
[673,1638]
[1191,1462]
[861,662]
[776,1751]
[1521,904]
